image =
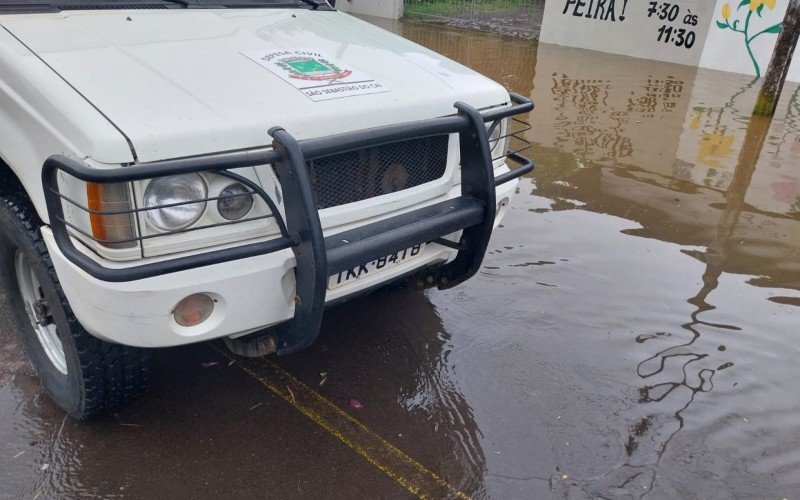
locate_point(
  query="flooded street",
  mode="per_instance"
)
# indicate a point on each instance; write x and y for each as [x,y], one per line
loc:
[634,331]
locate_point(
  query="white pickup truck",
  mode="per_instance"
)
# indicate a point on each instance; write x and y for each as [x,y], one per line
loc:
[175,171]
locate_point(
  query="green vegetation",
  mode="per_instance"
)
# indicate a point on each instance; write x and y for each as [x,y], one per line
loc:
[423,8]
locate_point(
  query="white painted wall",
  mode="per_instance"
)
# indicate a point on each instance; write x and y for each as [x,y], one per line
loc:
[726,49]
[630,29]
[390,9]
[634,31]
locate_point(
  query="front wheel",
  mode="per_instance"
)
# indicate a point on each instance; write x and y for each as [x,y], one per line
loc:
[35,304]
[84,375]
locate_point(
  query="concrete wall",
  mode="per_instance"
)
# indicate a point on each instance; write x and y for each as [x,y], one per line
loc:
[390,9]
[726,49]
[631,28]
[693,32]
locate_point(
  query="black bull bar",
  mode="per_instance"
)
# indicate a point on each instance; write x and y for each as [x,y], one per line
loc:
[317,256]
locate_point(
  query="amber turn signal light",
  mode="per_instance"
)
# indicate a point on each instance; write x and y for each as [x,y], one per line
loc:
[112,224]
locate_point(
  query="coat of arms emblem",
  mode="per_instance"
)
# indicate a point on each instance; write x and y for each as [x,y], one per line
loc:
[312,68]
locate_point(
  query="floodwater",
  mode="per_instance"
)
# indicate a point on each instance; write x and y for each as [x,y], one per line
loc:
[634,331]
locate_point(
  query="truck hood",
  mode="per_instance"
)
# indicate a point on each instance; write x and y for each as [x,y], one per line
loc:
[176,82]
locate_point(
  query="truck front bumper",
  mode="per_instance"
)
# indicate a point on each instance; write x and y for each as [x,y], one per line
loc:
[282,282]
[251,294]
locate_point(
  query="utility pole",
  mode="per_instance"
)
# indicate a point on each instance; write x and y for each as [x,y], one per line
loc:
[779,64]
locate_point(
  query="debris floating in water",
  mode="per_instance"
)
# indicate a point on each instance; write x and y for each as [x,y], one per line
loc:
[209,364]
[354,403]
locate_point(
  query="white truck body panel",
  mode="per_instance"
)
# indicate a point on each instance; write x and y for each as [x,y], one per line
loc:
[42,115]
[176,84]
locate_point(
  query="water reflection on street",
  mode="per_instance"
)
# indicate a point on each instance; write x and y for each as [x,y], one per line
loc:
[641,327]
[634,328]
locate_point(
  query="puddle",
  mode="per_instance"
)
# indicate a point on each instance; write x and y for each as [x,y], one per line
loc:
[663,352]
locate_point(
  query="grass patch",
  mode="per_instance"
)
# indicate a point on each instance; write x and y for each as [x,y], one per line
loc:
[423,8]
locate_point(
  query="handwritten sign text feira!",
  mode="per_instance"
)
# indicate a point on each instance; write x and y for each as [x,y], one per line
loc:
[604,10]
[662,30]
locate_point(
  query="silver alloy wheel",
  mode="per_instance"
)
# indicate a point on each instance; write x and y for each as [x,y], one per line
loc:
[39,313]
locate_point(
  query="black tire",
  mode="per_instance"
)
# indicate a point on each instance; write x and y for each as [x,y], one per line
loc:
[100,375]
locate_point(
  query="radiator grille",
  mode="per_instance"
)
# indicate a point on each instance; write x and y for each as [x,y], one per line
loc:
[360,175]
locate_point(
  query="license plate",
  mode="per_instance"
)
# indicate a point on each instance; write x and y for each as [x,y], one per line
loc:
[373,267]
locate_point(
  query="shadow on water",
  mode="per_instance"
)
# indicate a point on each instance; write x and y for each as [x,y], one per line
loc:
[392,348]
[208,431]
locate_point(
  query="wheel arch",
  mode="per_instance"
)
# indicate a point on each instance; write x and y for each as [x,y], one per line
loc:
[11,182]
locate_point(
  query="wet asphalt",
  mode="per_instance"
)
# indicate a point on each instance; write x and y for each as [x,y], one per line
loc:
[632,333]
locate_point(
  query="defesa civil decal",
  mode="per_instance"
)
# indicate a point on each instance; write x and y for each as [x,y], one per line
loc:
[318,76]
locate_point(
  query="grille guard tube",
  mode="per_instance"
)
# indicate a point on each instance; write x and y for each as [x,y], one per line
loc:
[473,212]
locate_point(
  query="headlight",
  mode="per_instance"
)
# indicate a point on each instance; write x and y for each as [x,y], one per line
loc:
[187,192]
[235,202]
[494,130]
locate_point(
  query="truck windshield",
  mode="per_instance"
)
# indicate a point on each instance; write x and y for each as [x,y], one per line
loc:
[18,6]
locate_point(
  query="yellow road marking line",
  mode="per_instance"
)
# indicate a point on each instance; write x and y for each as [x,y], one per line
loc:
[386,457]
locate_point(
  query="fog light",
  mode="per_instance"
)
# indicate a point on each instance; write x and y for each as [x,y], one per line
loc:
[235,202]
[193,310]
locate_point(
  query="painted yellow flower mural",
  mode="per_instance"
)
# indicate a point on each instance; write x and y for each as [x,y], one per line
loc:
[755,4]
[754,7]
[695,123]
[713,147]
